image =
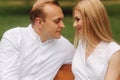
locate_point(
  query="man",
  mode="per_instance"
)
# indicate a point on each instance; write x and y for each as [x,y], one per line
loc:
[38,51]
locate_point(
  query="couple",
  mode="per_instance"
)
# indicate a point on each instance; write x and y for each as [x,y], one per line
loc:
[38,51]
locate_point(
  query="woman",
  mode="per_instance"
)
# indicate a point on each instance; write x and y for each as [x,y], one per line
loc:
[97,55]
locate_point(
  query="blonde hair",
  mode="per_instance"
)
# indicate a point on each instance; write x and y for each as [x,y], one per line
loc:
[37,9]
[95,21]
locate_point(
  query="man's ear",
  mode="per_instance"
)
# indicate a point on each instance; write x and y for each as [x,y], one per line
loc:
[38,22]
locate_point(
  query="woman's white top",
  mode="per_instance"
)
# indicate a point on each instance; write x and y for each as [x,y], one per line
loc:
[95,67]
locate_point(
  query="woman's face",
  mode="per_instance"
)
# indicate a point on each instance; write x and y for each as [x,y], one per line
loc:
[78,22]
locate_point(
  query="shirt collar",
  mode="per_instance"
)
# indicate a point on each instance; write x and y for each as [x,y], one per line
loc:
[37,36]
[30,28]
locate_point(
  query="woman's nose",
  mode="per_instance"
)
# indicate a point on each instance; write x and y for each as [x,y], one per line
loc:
[74,24]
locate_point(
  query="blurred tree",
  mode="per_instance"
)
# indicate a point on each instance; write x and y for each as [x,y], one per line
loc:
[28,2]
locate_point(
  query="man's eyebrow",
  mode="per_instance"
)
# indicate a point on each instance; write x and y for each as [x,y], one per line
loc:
[58,19]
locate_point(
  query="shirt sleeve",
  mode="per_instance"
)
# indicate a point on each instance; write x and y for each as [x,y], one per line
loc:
[112,48]
[9,58]
[70,50]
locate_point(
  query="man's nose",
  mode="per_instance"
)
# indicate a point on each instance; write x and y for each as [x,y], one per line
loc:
[61,24]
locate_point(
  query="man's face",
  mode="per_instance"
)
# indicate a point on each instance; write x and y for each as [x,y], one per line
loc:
[53,24]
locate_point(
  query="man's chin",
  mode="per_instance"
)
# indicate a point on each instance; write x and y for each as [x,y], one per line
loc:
[58,37]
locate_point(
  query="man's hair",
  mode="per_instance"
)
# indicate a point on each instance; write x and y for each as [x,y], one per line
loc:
[37,9]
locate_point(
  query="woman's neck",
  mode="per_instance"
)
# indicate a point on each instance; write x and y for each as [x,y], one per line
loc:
[91,45]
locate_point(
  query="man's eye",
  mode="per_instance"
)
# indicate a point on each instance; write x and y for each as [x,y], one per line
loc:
[57,21]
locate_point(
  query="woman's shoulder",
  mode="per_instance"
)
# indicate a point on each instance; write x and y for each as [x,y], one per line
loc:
[114,46]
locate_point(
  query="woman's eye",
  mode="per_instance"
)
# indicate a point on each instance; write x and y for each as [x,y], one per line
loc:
[77,19]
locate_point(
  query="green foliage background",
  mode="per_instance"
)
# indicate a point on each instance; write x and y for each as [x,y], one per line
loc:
[15,13]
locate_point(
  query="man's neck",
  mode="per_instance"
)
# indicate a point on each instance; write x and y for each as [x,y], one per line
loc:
[39,33]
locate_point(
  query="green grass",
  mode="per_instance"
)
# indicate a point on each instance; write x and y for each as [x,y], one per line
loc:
[10,21]
[68,31]
[13,16]
[114,15]
[115,26]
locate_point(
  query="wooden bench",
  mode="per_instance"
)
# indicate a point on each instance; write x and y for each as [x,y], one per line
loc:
[65,73]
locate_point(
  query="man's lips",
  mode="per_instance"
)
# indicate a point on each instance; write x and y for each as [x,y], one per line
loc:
[59,32]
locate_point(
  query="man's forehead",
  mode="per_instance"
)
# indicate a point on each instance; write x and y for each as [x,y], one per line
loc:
[53,11]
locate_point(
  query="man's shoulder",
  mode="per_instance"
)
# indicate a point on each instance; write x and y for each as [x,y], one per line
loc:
[13,33]
[62,38]
[14,30]
[64,42]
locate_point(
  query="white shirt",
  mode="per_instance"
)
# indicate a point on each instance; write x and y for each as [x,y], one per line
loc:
[24,57]
[95,67]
